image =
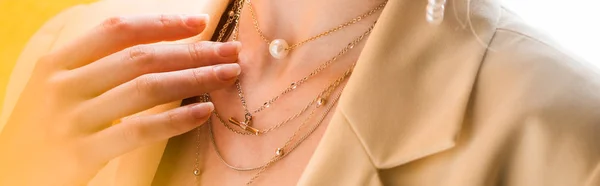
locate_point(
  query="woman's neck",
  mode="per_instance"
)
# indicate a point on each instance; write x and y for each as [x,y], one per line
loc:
[300,19]
[295,21]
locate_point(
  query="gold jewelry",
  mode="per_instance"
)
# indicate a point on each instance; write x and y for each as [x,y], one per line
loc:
[280,153]
[233,17]
[288,147]
[319,100]
[279,48]
[320,68]
[246,124]
[435,11]
[202,99]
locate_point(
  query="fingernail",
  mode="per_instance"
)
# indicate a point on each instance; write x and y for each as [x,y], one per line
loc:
[226,72]
[196,21]
[229,48]
[202,110]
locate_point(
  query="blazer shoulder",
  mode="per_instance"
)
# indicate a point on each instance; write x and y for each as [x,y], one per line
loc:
[545,96]
[537,80]
[524,55]
[511,30]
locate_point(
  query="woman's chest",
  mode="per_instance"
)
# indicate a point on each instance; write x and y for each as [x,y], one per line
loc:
[214,155]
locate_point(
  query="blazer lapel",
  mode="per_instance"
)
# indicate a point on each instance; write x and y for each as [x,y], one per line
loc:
[408,94]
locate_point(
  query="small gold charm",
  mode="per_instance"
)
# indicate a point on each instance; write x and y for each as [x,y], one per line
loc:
[321,102]
[196,172]
[279,152]
[245,125]
[294,85]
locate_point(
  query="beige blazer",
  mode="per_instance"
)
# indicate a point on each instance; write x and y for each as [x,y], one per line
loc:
[480,100]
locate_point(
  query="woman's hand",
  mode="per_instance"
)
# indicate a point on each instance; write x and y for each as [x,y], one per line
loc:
[61,132]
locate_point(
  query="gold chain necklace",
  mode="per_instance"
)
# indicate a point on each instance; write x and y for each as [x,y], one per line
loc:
[246,124]
[320,100]
[278,151]
[279,48]
[233,17]
[248,115]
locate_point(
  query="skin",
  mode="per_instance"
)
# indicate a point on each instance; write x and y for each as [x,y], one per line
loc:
[77,109]
[264,77]
[67,131]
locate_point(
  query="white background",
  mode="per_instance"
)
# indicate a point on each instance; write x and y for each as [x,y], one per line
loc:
[573,23]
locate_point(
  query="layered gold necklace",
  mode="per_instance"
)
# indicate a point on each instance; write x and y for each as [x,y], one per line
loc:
[246,123]
[321,101]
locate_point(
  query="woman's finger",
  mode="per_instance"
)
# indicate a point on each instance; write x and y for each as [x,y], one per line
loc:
[138,131]
[150,90]
[123,66]
[118,33]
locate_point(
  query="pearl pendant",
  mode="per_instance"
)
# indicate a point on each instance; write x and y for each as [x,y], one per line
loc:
[435,11]
[277,48]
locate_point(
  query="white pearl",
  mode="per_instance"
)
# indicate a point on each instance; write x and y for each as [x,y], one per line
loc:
[277,48]
[436,1]
[435,11]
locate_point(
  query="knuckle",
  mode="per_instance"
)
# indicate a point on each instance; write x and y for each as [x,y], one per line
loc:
[149,85]
[166,20]
[171,117]
[44,70]
[79,116]
[142,56]
[172,121]
[57,82]
[200,78]
[84,119]
[116,24]
[135,132]
[141,53]
[197,50]
[46,64]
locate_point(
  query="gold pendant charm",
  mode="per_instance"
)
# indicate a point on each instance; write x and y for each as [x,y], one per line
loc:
[279,152]
[321,101]
[245,125]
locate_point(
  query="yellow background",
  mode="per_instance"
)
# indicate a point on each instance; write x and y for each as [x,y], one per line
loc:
[19,20]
